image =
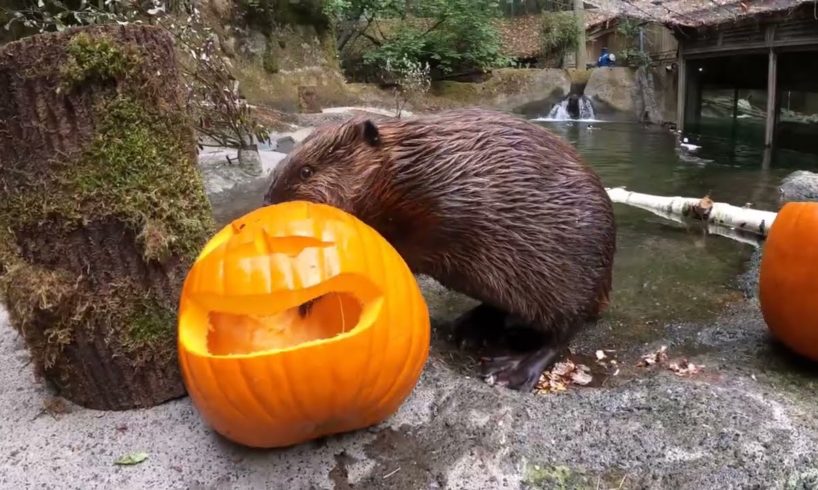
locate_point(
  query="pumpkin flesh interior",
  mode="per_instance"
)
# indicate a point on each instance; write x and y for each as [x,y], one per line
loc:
[325,317]
[213,325]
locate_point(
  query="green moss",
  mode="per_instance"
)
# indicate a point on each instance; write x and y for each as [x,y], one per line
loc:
[148,321]
[138,169]
[557,477]
[96,59]
[134,165]
[30,289]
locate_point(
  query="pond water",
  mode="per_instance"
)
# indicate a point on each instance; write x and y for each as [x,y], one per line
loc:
[666,271]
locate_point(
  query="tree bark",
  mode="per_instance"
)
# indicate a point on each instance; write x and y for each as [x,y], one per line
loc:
[723,215]
[102,210]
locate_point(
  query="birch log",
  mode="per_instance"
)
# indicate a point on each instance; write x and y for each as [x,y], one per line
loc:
[723,215]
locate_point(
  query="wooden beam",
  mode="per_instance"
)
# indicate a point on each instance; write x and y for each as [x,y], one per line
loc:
[808,43]
[681,92]
[772,96]
[582,54]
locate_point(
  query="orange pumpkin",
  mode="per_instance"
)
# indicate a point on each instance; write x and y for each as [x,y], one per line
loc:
[788,281]
[266,371]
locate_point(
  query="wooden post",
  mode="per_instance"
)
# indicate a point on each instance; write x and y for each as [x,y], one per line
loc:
[772,99]
[735,113]
[582,49]
[681,94]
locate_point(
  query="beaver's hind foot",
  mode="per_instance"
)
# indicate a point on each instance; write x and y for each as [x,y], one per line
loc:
[479,327]
[519,371]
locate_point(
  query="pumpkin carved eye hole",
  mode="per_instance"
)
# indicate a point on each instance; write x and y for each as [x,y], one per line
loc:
[306,172]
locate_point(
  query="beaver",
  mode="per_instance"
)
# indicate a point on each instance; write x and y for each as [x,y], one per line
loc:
[488,204]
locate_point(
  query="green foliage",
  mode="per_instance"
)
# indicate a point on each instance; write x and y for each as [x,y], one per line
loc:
[448,35]
[629,28]
[632,55]
[560,32]
[635,57]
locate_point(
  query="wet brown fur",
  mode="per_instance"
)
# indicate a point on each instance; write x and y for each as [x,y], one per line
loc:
[490,205]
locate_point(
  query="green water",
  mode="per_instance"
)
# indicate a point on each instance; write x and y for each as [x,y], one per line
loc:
[666,271]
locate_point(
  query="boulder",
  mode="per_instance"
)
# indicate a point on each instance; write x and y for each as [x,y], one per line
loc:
[234,189]
[285,144]
[527,91]
[799,186]
[613,88]
[530,89]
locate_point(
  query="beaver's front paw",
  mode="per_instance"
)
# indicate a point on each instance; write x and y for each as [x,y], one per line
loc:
[518,371]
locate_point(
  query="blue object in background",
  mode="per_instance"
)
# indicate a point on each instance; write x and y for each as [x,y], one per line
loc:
[605,59]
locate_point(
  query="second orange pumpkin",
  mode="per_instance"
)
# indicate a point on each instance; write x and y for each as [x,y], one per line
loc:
[788,280]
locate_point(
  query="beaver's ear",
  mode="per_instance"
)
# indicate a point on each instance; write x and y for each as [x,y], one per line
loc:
[370,132]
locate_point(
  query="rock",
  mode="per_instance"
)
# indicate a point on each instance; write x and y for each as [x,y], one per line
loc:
[250,160]
[222,8]
[285,144]
[799,186]
[228,45]
[744,420]
[538,88]
[613,87]
[235,189]
[646,104]
[527,91]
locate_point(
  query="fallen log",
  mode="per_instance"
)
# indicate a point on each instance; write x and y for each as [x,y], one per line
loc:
[726,220]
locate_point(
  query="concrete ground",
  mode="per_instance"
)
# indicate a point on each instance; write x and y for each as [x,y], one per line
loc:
[748,420]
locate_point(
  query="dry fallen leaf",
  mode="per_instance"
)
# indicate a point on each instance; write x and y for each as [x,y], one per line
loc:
[131,459]
[683,367]
[563,368]
[563,374]
[581,378]
[658,357]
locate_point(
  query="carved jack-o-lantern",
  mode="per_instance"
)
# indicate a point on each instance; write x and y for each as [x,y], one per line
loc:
[298,321]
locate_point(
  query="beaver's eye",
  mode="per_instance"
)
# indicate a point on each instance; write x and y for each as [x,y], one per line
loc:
[306,172]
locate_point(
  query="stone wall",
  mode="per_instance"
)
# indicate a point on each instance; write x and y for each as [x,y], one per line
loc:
[646,94]
[528,91]
[612,90]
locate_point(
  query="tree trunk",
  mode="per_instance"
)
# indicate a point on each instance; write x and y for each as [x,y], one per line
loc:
[102,210]
[745,220]
[250,159]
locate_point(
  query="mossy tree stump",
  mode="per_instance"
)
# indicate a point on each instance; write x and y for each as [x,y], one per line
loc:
[102,209]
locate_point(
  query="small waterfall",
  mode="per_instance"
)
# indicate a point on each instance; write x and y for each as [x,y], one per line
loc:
[572,108]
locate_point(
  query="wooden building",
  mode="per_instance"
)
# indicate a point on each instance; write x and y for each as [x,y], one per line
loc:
[752,61]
